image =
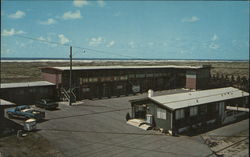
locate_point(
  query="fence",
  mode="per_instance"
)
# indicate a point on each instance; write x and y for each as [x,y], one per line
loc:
[224,80]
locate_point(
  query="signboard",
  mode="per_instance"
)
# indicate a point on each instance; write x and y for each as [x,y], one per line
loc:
[136,88]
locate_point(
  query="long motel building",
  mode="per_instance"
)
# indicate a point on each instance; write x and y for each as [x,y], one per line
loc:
[107,81]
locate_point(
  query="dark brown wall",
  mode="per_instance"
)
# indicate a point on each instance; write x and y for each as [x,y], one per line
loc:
[170,78]
[53,78]
[28,95]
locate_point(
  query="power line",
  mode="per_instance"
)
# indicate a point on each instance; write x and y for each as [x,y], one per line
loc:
[77,47]
[93,50]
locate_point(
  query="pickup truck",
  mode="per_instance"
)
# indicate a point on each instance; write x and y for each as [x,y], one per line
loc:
[47,104]
[26,112]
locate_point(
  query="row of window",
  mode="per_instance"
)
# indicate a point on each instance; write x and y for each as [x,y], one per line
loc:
[193,111]
[87,89]
[121,78]
[179,114]
[102,79]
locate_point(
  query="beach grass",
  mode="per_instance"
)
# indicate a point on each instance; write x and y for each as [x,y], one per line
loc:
[25,71]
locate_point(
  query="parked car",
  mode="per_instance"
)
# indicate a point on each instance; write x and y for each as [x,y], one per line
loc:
[47,104]
[25,111]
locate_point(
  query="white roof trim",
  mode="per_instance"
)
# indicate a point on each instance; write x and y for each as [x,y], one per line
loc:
[125,67]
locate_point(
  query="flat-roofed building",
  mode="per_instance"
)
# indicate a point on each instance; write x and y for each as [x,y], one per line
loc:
[3,105]
[27,92]
[179,112]
[107,81]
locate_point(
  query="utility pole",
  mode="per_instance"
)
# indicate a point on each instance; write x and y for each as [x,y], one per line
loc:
[70,76]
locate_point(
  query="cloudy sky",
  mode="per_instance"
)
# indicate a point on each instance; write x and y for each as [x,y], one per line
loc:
[141,29]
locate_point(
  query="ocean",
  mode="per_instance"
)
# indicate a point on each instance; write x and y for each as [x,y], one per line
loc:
[23,59]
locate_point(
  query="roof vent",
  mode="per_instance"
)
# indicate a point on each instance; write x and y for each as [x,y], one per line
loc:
[150,93]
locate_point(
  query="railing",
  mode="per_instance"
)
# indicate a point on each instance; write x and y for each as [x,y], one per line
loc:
[73,94]
[65,94]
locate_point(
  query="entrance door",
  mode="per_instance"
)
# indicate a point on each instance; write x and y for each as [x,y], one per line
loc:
[222,110]
[140,111]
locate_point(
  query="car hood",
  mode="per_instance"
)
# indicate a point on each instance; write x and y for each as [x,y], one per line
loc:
[10,109]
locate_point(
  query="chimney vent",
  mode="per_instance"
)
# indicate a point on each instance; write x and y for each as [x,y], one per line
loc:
[150,93]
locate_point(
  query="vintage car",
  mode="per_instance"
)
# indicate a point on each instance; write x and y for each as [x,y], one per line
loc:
[47,104]
[26,112]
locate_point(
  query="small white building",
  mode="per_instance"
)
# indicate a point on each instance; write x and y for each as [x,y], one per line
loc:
[179,112]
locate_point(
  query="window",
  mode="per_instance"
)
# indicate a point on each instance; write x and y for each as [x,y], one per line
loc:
[85,89]
[103,79]
[125,77]
[116,78]
[149,75]
[108,78]
[203,109]
[140,75]
[161,113]
[93,79]
[193,111]
[157,74]
[179,114]
[131,75]
[84,80]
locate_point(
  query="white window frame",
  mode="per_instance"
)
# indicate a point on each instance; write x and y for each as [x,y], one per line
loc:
[179,114]
[193,111]
[161,113]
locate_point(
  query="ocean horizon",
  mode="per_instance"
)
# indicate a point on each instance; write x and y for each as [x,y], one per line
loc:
[13,59]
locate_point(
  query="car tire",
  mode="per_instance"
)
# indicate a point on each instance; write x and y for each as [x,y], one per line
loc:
[9,115]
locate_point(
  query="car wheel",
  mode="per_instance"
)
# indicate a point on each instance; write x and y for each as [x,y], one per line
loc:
[9,115]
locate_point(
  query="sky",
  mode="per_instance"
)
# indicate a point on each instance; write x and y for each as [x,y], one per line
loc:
[126,29]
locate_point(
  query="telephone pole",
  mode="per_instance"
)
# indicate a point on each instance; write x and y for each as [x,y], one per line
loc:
[70,76]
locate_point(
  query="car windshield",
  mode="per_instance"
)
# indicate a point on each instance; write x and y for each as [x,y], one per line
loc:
[49,100]
[22,108]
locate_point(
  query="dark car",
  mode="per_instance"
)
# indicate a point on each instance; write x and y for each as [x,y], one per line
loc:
[24,111]
[47,104]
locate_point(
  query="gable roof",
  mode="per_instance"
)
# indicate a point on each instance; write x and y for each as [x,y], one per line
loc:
[182,100]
